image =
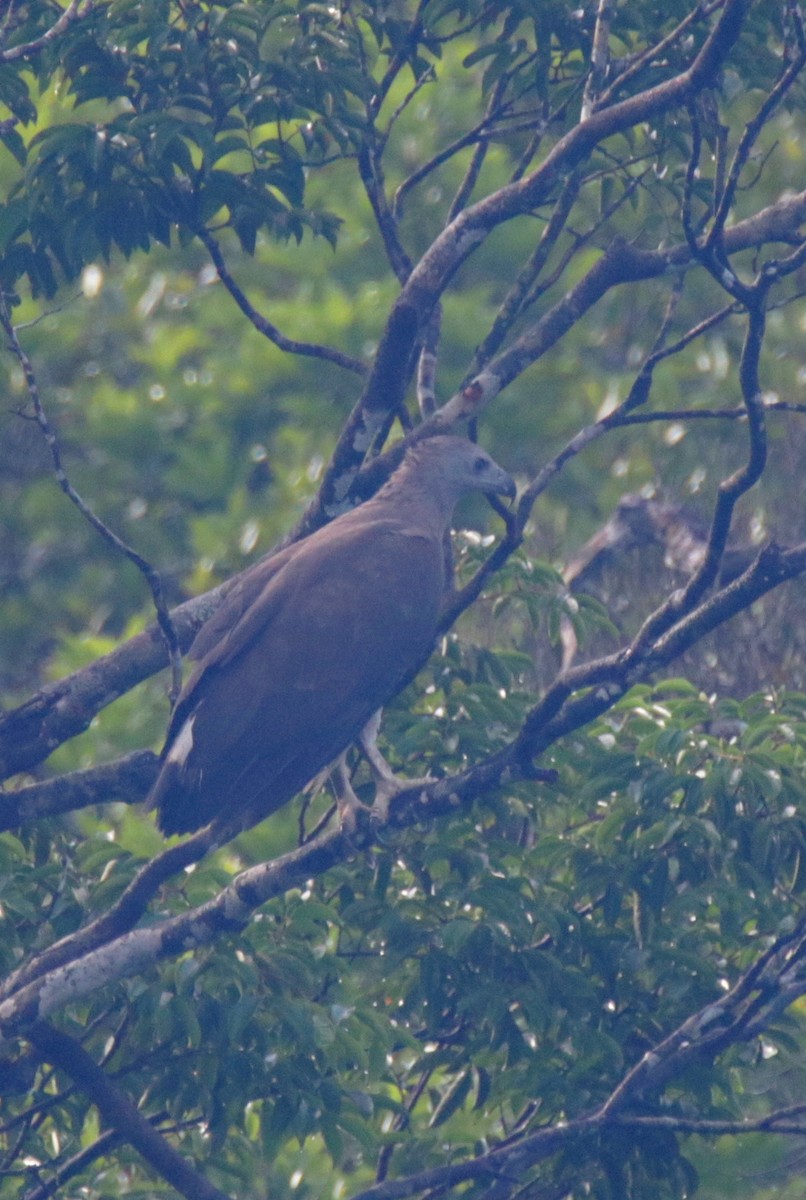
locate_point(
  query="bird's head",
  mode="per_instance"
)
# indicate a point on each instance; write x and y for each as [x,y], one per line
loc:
[460,466]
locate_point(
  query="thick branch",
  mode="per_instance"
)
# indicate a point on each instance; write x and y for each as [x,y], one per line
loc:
[121,917]
[576,698]
[127,779]
[134,951]
[62,710]
[390,374]
[116,1109]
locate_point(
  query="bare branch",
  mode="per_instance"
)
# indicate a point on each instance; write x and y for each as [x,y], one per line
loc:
[620,263]
[707,414]
[387,382]
[600,59]
[471,138]
[124,1116]
[515,299]
[748,140]
[75,1165]
[491,114]
[626,70]
[781,1121]
[731,489]
[73,12]
[128,779]
[151,576]
[264,326]
[371,170]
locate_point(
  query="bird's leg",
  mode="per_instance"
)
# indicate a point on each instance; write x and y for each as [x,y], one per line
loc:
[387,784]
[347,802]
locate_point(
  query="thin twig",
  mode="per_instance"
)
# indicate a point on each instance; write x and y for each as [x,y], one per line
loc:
[264,326]
[515,299]
[398,60]
[751,132]
[73,1166]
[149,573]
[628,71]
[370,167]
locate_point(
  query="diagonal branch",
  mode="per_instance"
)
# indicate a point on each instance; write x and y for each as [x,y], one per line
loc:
[73,12]
[750,135]
[119,1111]
[149,573]
[75,1165]
[128,779]
[264,326]
[105,951]
[694,1039]
[388,378]
[625,70]
[63,709]
[370,167]
[120,918]
[90,959]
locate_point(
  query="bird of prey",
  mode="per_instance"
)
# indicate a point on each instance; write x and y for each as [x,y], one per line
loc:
[312,641]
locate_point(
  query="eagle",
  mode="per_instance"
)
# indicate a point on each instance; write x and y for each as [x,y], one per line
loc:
[311,642]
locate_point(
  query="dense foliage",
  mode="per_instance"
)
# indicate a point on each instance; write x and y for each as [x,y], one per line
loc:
[244,248]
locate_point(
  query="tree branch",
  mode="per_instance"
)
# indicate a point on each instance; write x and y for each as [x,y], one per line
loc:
[91,960]
[120,918]
[72,13]
[116,1108]
[61,710]
[700,1036]
[264,326]
[61,974]
[388,378]
[151,576]
[371,170]
[75,1165]
[127,779]
[621,263]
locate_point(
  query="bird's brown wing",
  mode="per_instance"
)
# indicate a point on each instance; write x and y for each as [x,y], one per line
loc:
[245,590]
[329,638]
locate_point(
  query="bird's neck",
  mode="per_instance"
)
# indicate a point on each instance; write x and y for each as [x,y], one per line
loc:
[430,502]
